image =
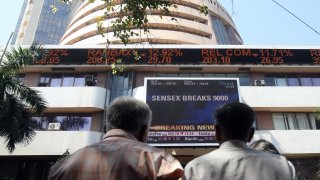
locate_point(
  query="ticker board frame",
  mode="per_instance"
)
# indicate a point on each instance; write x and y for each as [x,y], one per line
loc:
[193,47]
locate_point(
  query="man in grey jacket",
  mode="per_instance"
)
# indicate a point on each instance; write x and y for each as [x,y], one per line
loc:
[234,160]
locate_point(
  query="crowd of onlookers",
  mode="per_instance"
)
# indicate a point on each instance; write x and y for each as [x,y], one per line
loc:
[124,154]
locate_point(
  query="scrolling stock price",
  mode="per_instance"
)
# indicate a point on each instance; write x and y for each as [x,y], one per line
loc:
[54,57]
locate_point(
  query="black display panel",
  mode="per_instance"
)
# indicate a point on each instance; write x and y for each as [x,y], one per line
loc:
[175,56]
[182,109]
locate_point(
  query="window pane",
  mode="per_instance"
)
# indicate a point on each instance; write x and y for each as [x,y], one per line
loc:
[290,121]
[56,80]
[184,75]
[79,80]
[293,81]
[302,120]
[270,81]
[306,81]
[220,75]
[278,121]
[126,82]
[208,75]
[312,121]
[244,79]
[232,75]
[281,82]
[196,75]
[87,124]
[68,80]
[74,123]
[120,82]
[316,81]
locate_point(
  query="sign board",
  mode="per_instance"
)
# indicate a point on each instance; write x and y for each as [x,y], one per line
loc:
[182,108]
[180,56]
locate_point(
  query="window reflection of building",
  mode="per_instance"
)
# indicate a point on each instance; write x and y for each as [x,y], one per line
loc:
[51,26]
[220,31]
[63,80]
[294,121]
[120,84]
[69,122]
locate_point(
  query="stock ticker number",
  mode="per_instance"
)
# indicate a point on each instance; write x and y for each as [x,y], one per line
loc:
[53,58]
[47,60]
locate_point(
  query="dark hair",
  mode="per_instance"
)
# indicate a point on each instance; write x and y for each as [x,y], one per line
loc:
[264,145]
[128,114]
[235,120]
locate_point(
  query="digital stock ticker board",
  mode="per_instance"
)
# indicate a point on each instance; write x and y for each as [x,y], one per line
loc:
[180,56]
[182,109]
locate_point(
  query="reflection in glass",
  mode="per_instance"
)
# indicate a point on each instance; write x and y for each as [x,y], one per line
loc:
[306,81]
[79,80]
[68,122]
[316,81]
[56,80]
[293,81]
[68,80]
[281,82]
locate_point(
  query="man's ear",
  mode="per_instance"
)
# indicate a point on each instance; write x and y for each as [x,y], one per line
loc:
[217,133]
[251,134]
[143,133]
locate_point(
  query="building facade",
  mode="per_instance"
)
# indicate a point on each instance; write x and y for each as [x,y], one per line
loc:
[38,23]
[183,25]
[79,88]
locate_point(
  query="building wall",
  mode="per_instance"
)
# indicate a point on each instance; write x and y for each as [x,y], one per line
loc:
[190,26]
[97,122]
[39,24]
[264,120]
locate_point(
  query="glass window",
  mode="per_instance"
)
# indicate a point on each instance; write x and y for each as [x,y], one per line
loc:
[281,82]
[314,123]
[68,80]
[302,121]
[120,84]
[220,75]
[278,121]
[196,75]
[290,121]
[67,122]
[232,75]
[184,75]
[44,81]
[126,82]
[220,31]
[293,80]
[270,80]
[293,121]
[316,81]
[208,75]
[56,80]
[79,80]
[306,81]
[244,79]
[74,123]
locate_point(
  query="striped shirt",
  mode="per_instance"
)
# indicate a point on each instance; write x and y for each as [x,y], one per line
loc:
[119,156]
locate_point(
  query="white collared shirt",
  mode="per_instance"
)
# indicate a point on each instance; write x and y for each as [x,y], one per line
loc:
[234,160]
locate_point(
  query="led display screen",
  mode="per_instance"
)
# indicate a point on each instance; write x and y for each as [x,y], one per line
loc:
[182,109]
[176,56]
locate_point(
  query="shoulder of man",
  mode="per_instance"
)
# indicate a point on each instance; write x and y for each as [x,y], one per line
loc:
[169,166]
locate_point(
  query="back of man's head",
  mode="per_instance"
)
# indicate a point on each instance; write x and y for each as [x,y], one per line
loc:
[235,121]
[128,114]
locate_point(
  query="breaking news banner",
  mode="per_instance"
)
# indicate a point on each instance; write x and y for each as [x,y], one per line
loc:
[182,109]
